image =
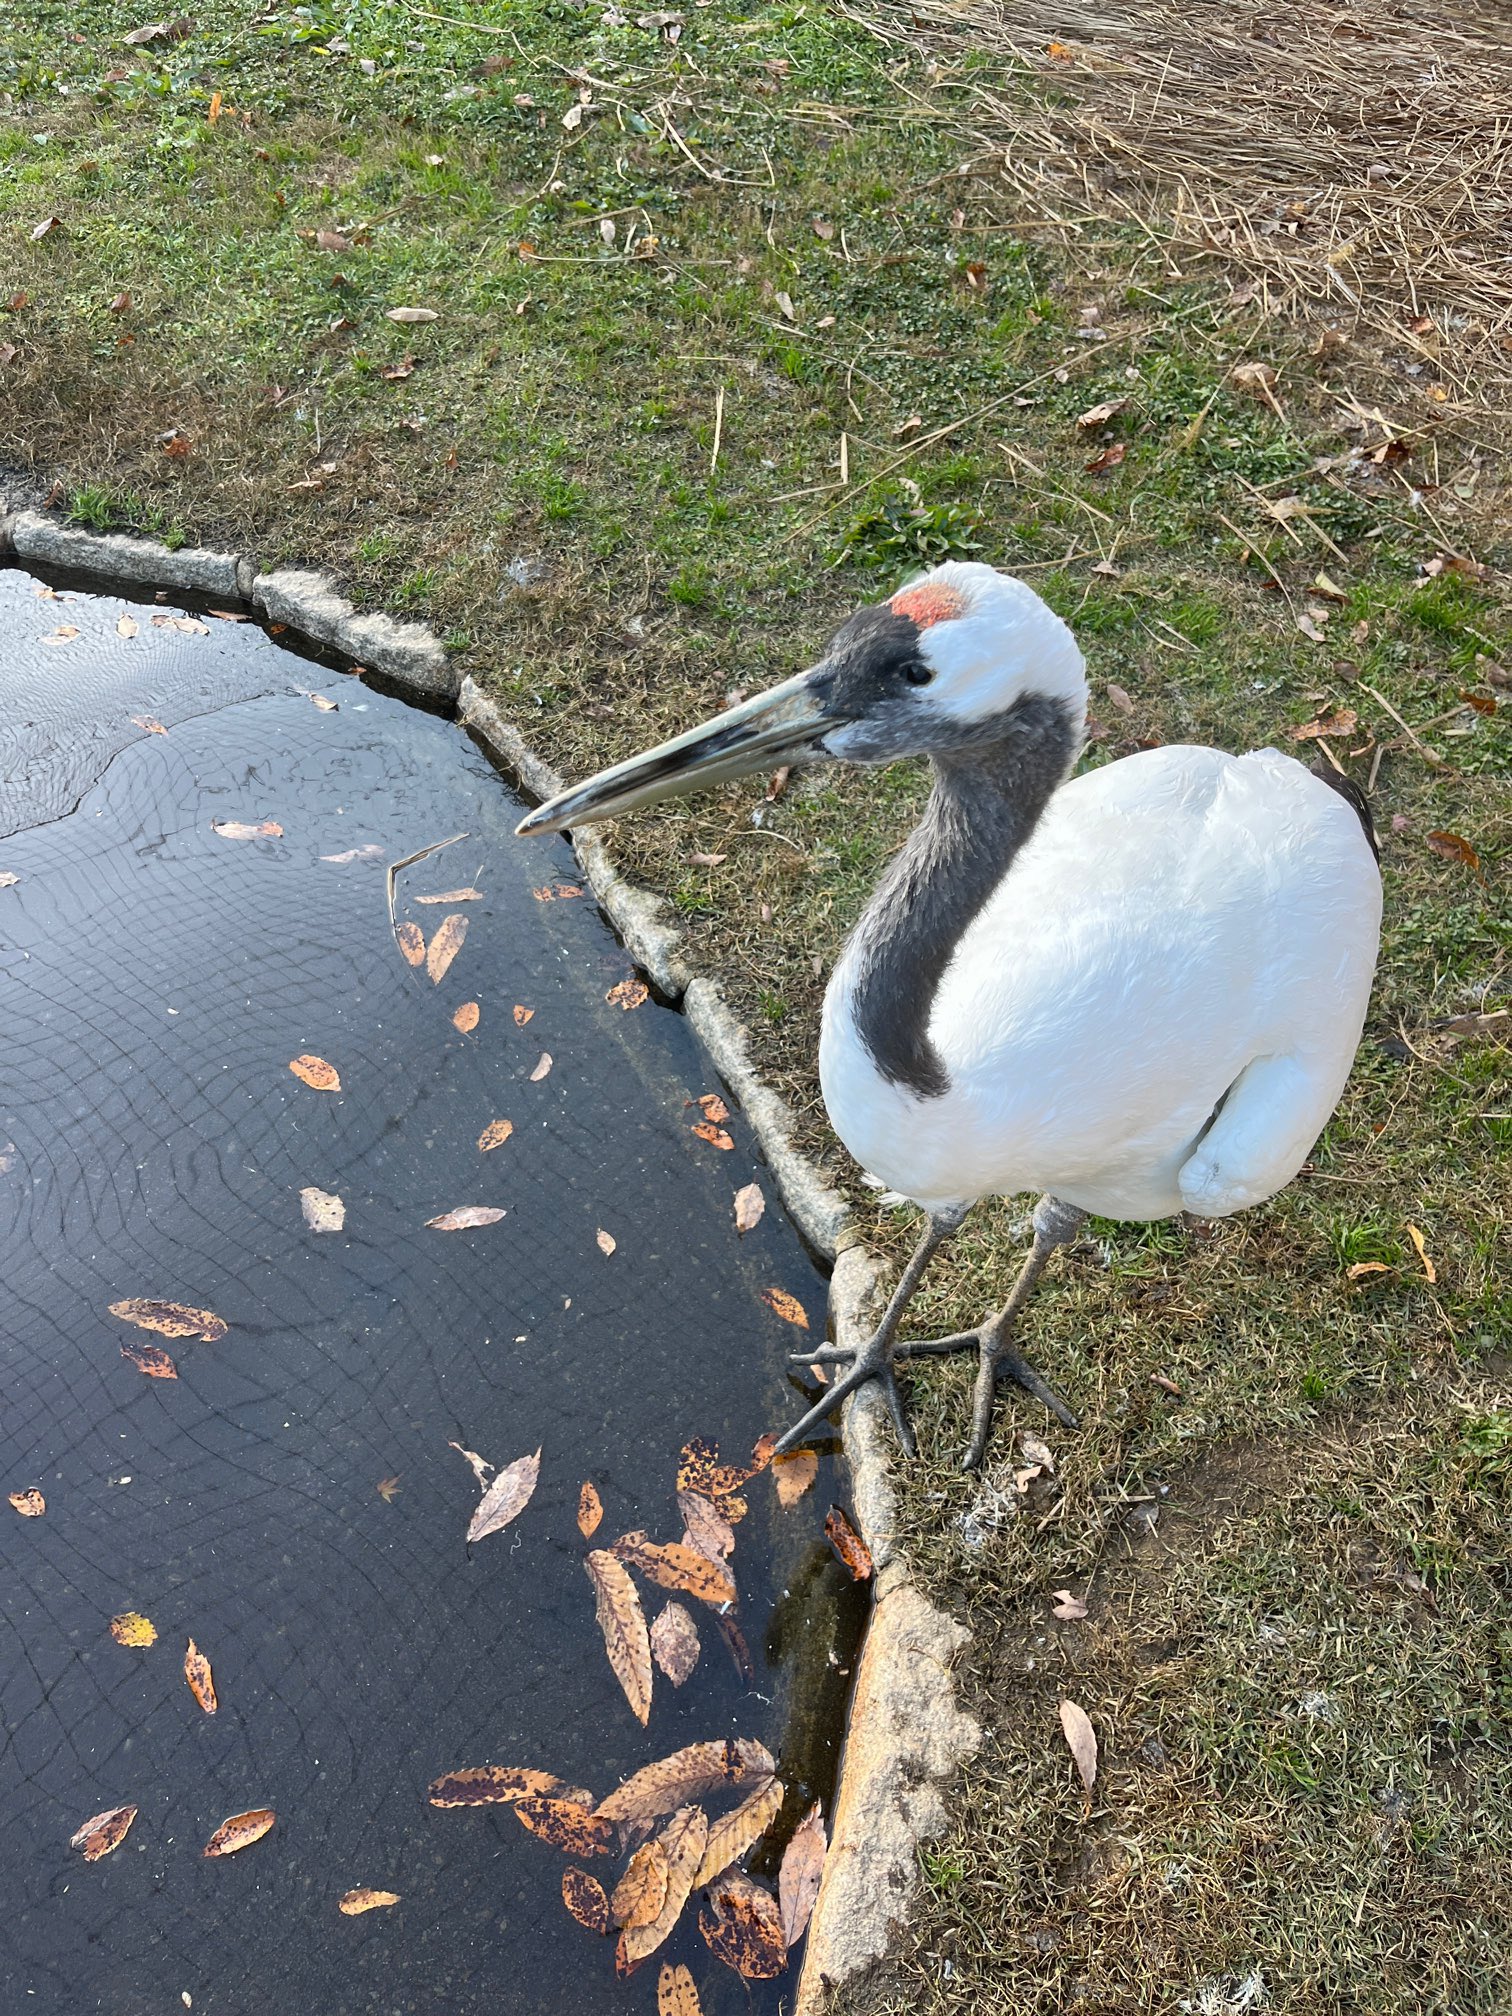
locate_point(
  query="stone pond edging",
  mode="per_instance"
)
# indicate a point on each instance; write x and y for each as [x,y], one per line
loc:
[906,1735]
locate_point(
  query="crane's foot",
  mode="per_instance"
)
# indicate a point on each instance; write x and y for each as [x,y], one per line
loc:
[873,1361]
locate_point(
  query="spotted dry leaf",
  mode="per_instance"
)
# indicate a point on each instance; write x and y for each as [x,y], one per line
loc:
[749,1207]
[240,1831]
[715,1136]
[543,1065]
[798,1879]
[445,946]
[674,1643]
[847,1543]
[671,1565]
[103,1832]
[687,1775]
[590,1511]
[714,1108]
[675,1993]
[1081,1740]
[466,1219]
[522,1015]
[315,1072]
[794,1474]
[494,1135]
[732,1836]
[493,1785]
[200,1678]
[148,1359]
[683,1840]
[506,1498]
[453,896]
[411,942]
[323,1209]
[244,829]
[743,1927]
[642,1890]
[626,1640]
[1454,847]
[699,1468]
[628,994]
[708,1530]
[170,1319]
[355,1902]
[30,1503]
[466,1017]
[584,1897]
[561,1824]
[788,1307]
[132,1628]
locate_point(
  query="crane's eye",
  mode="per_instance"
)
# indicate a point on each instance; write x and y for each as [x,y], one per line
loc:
[917,673]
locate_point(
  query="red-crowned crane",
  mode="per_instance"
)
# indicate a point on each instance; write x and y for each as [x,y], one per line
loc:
[1138,991]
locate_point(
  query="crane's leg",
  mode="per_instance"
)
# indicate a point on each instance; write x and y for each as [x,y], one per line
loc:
[875,1358]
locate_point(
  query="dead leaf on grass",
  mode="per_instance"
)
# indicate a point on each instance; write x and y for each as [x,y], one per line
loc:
[802,1867]
[171,1319]
[493,1785]
[1454,848]
[671,1565]
[445,946]
[323,1210]
[411,942]
[244,829]
[788,1307]
[355,1902]
[1081,1741]
[1332,721]
[794,1474]
[847,1543]
[411,314]
[103,1832]
[495,1134]
[1105,410]
[29,1503]
[1068,1608]
[1106,459]
[1422,1252]
[749,1207]
[466,1017]
[562,1824]
[626,1639]
[1257,380]
[743,1927]
[506,1498]
[148,1359]
[674,1643]
[584,1897]
[738,1831]
[133,1629]
[683,1840]
[315,1072]
[240,1831]
[686,1775]
[465,1219]
[200,1678]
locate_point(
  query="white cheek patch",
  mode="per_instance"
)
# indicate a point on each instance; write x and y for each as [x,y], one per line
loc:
[1005,646]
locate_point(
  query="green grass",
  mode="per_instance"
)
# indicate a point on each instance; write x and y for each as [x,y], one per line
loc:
[534,471]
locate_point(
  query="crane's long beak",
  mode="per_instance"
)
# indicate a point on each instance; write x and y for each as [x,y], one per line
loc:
[780,726]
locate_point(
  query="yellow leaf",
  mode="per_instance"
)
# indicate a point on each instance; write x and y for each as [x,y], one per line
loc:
[132,1628]
[355,1902]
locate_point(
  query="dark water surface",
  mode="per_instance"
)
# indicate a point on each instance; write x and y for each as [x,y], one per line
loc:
[155,981]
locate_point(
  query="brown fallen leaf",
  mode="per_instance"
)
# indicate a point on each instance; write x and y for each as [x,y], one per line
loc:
[29,1503]
[674,1643]
[628,994]
[563,1824]
[132,1628]
[1068,1608]
[411,942]
[388,1489]
[1106,459]
[558,892]
[714,1108]
[606,1241]
[1422,1252]
[45,228]
[201,1680]
[1454,848]
[543,1065]
[1120,698]
[715,1136]
[355,1902]
[323,1210]
[444,946]
[171,1319]
[675,1993]
[743,1927]
[626,1640]
[243,829]
[479,1465]
[847,1543]
[411,314]
[454,896]
[788,1307]
[798,1879]
[590,1511]
[738,1831]
[466,1017]
[682,1842]
[1258,380]
[494,1135]
[642,1890]
[522,1015]
[240,1831]
[699,1469]
[506,1498]
[493,1785]
[315,1072]
[1331,721]
[1362,1268]
[584,1897]
[749,1207]
[687,1775]
[1081,1740]
[671,1565]
[1105,410]
[708,1531]
[148,1359]
[103,1832]
[466,1219]
[794,1474]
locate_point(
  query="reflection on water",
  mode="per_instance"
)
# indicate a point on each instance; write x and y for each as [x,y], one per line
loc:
[156,979]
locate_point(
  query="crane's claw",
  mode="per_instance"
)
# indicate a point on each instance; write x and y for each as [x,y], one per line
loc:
[873,1361]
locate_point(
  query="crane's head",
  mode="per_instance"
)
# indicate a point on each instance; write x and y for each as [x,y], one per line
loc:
[938,670]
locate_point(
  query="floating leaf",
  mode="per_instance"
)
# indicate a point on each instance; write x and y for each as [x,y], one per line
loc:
[749,1207]
[242,829]
[606,1241]
[642,1890]
[148,1359]
[30,1503]
[148,723]
[1454,848]
[1422,1252]
[543,1065]
[683,1840]
[788,1307]
[687,1775]
[495,1134]
[323,1209]
[493,1785]
[584,1897]
[671,1565]
[794,1474]
[171,1319]
[739,1830]
[708,1532]
[103,1832]
[411,940]
[315,1072]
[699,1467]
[522,1015]
[715,1136]
[445,946]
[628,994]
[453,896]
[743,1927]
[714,1108]
[355,1902]
[132,1628]
[371,852]
[590,1511]
[674,1643]
[240,1831]
[675,1993]
[1081,1740]
[466,1017]
[465,1219]
[201,1679]
[506,1498]
[626,1639]
[562,1824]
[802,1867]
[847,1543]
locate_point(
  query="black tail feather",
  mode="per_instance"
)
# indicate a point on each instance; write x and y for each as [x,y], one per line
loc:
[1353,795]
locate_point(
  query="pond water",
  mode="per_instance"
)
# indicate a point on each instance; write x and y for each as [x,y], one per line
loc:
[156,979]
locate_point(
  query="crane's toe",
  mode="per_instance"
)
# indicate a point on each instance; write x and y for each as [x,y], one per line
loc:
[873,1361]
